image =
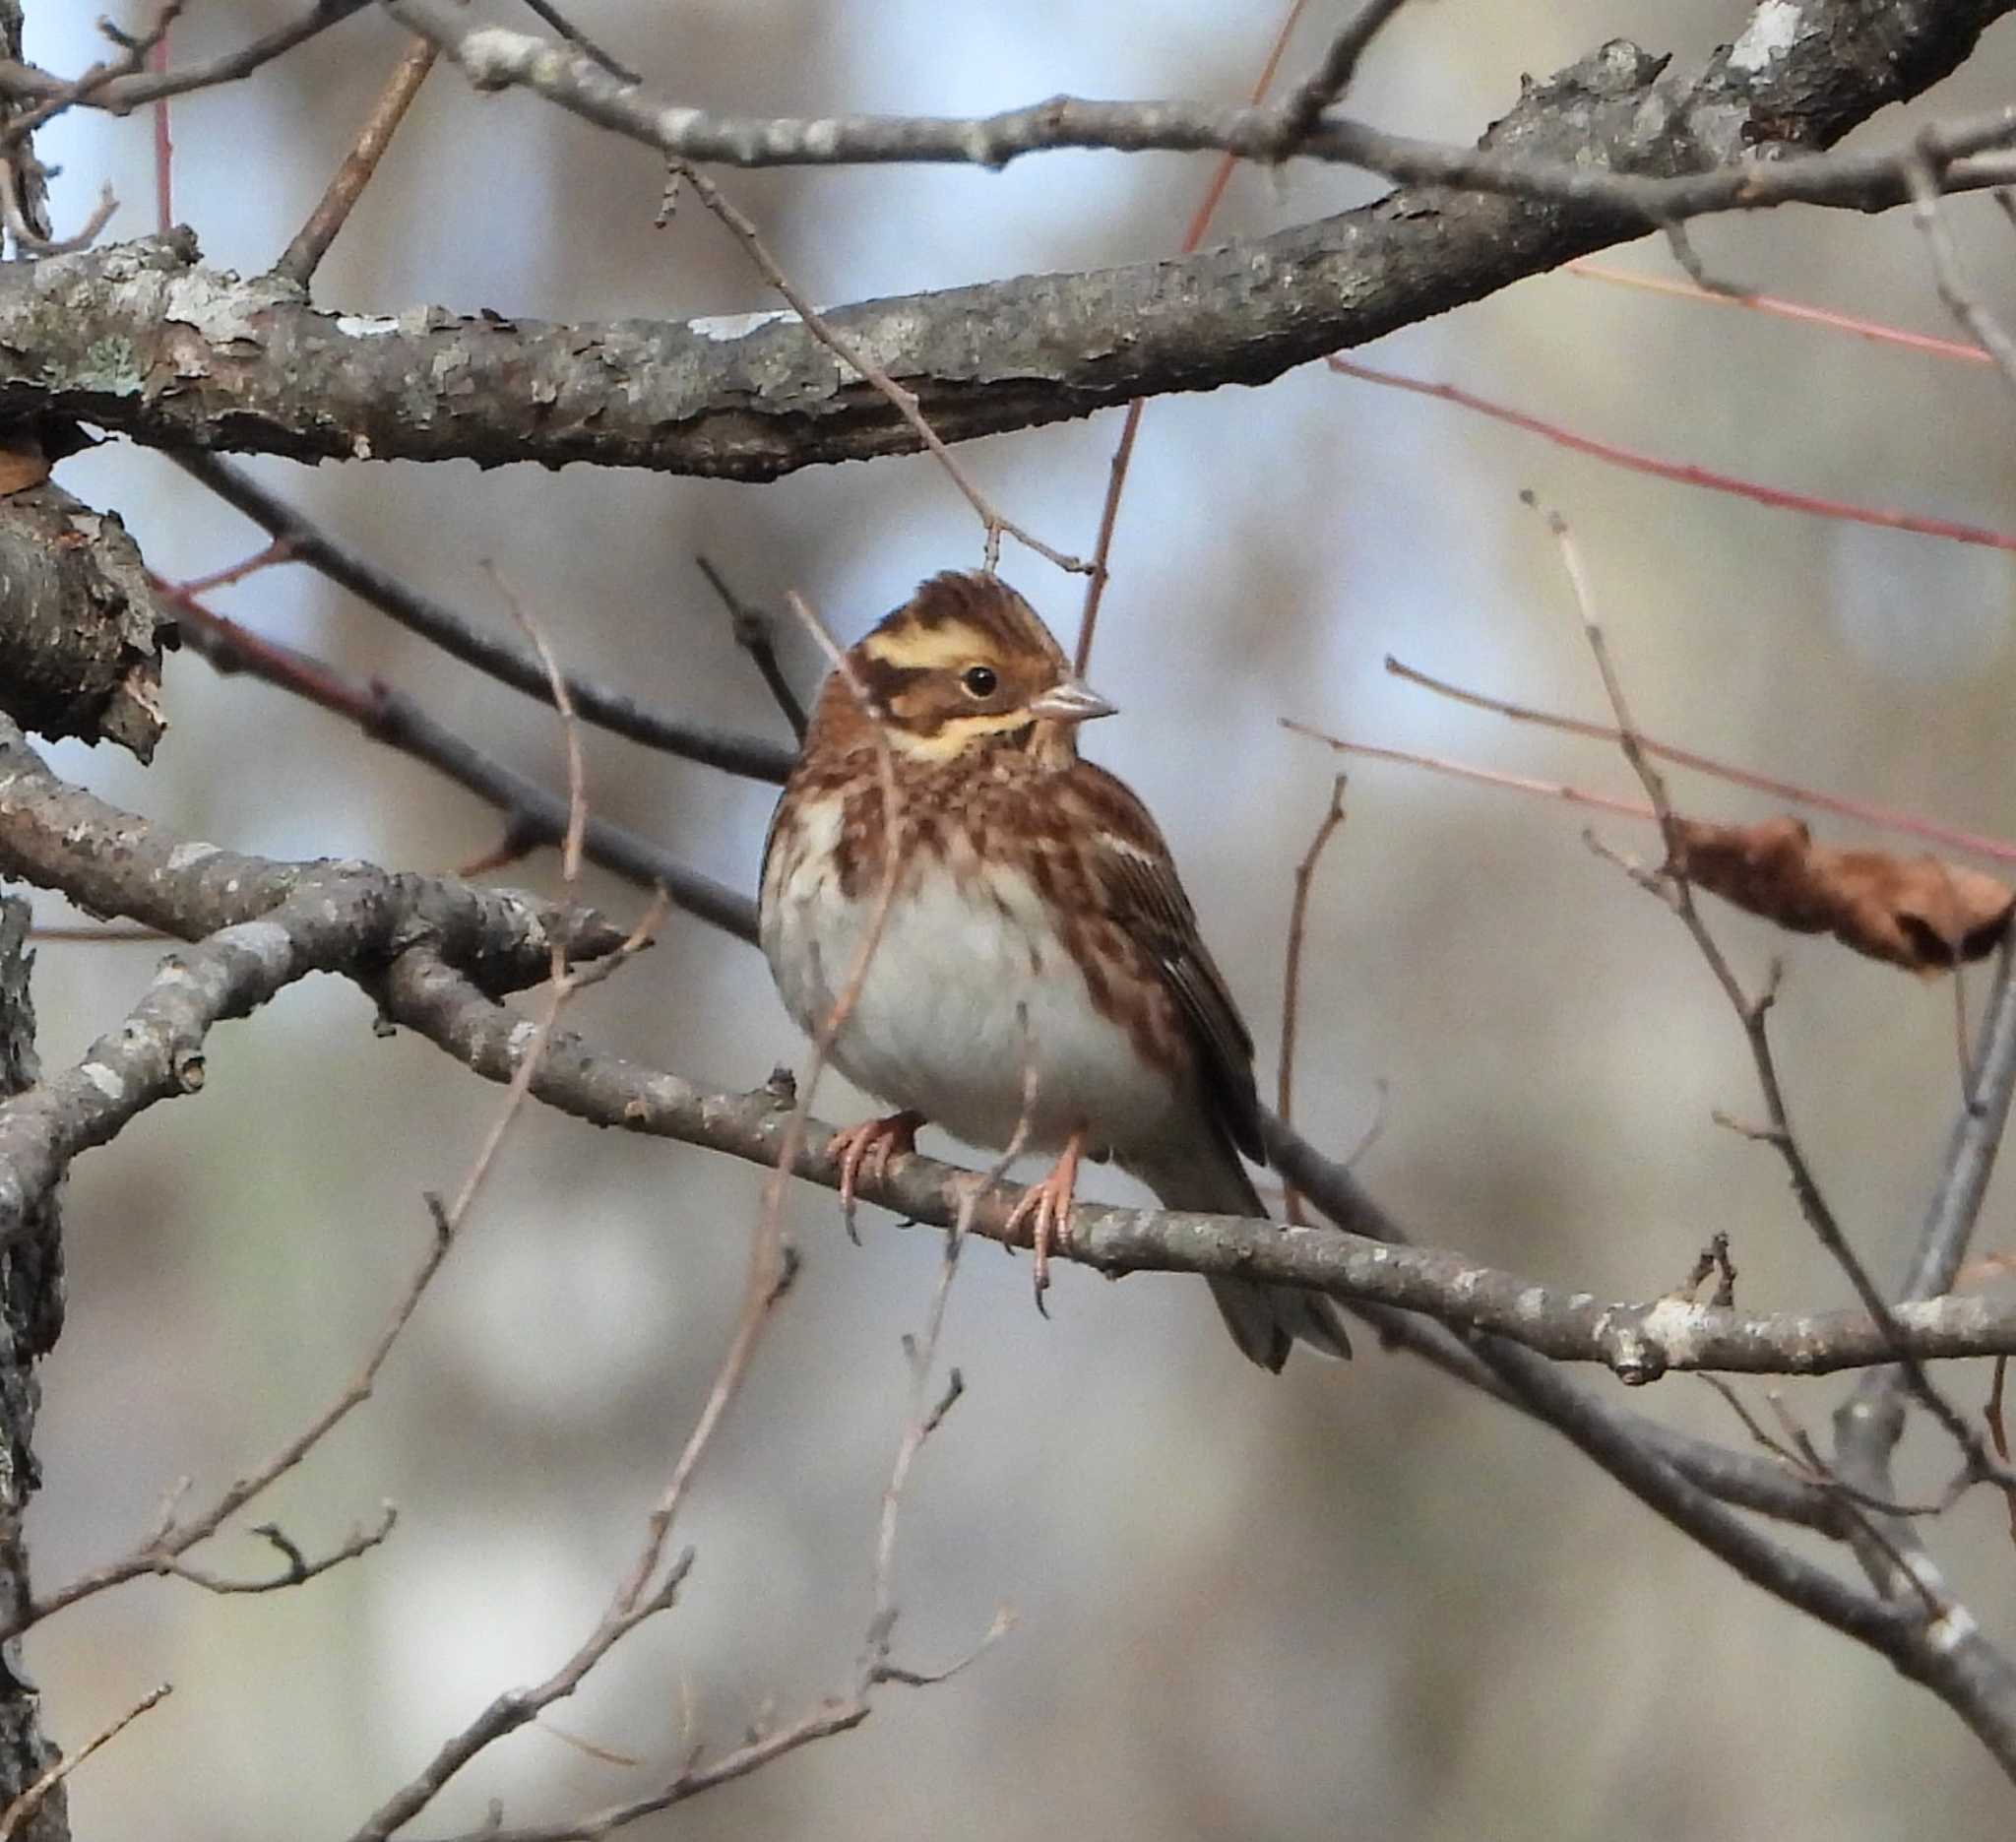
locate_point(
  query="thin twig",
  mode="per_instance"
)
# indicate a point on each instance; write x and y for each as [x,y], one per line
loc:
[1123,449]
[751,627]
[311,242]
[135,54]
[25,236]
[580,41]
[1686,475]
[31,1800]
[1875,331]
[1960,301]
[1754,1015]
[532,814]
[1484,777]
[1802,1459]
[570,731]
[1885,818]
[923,1419]
[1291,975]
[1324,86]
[461,638]
[903,401]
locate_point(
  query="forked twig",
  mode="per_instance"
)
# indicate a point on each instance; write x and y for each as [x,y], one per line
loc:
[1960,301]
[751,629]
[1884,818]
[920,1420]
[1798,1454]
[1753,1014]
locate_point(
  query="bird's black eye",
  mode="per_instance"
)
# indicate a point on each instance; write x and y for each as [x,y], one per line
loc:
[979,680]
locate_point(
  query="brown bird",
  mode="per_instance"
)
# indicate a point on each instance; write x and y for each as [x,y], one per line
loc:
[1039,970]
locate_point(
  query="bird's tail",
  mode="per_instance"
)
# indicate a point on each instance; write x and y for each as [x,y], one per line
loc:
[1265,1322]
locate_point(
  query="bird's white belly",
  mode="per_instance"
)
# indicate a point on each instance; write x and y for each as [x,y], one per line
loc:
[965,993]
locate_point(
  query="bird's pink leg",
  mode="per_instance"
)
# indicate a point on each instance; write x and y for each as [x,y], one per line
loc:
[866,1149]
[1049,1202]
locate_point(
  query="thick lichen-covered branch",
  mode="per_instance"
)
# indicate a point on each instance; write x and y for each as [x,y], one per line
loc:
[145,339]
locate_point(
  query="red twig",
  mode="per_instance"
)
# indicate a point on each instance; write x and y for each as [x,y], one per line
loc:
[1685,473]
[1884,818]
[1875,331]
[1123,450]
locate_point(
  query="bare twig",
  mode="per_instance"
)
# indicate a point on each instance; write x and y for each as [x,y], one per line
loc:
[1680,472]
[1960,301]
[1798,1454]
[533,815]
[903,401]
[1875,331]
[1886,818]
[751,629]
[311,242]
[135,52]
[922,1419]
[1868,1425]
[31,1800]
[1291,975]
[1484,777]
[1753,1015]
[1998,1431]
[461,638]
[1864,179]
[123,93]
[25,236]
[299,1567]
[580,41]
[1324,86]
[1123,449]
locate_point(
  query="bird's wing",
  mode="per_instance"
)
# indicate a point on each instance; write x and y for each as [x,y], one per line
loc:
[1137,883]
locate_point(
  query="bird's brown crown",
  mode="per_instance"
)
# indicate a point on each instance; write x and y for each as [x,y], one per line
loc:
[964,662]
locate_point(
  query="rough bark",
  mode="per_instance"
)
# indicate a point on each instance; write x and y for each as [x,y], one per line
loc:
[30,1316]
[143,339]
[81,635]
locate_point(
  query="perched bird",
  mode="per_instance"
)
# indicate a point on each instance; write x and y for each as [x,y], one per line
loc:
[1038,973]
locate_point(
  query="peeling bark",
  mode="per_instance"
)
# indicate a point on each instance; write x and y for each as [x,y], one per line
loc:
[80,634]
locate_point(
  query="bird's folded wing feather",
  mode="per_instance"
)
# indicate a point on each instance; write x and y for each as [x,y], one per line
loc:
[1137,883]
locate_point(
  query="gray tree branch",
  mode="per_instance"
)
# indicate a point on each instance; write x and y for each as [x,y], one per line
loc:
[143,340]
[437,953]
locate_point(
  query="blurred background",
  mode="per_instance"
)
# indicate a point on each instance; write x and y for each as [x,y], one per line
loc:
[1348,1602]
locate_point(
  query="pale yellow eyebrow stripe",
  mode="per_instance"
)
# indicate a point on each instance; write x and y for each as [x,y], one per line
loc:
[929,649]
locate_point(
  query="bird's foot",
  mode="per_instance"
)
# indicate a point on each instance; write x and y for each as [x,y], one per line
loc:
[1049,1204]
[866,1149]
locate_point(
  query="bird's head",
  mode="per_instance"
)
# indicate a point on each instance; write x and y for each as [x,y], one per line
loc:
[965,663]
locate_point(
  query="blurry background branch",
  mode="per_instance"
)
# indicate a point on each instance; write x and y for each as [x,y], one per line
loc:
[1846,60]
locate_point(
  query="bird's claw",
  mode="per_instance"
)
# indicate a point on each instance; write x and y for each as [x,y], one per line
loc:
[866,1149]
[1046,1206]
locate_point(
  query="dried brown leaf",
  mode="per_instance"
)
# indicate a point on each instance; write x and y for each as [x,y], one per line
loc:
[1920,912]
[23,464]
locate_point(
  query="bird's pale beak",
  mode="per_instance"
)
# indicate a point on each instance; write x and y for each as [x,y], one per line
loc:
[1072,701]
